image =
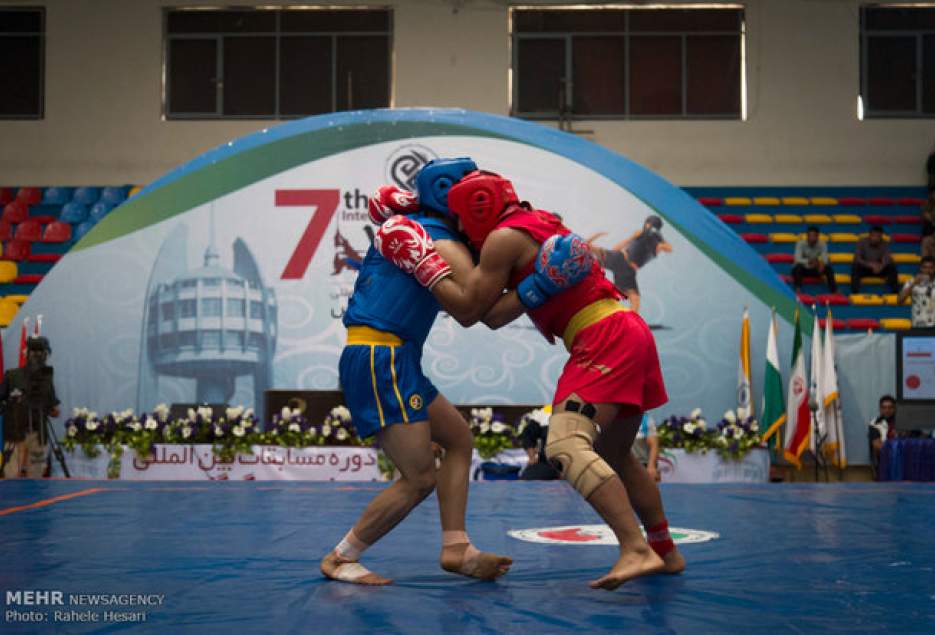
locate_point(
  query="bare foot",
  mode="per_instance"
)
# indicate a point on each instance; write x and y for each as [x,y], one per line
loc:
[631,564]
[675,562]
[478,564]
[337,568]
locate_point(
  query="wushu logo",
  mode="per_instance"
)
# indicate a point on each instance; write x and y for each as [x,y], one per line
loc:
[600,535]
[405,162]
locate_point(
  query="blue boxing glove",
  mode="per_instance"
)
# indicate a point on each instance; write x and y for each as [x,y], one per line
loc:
[562,262]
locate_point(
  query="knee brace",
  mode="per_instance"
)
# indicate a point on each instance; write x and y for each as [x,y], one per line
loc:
[570,446]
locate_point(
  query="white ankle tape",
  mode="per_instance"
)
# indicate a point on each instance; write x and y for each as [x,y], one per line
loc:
[350,547]
[350,572]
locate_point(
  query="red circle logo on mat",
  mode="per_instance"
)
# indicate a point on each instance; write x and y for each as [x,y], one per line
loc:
[599,535]
[913,381]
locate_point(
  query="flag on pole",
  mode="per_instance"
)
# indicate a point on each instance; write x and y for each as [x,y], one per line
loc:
[815,385]
[38,330]
[23,336]
[797,414]
[744,392]
[774,410]
[831,402]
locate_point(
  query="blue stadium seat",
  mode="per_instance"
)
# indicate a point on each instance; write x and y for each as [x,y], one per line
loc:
[74,213]
[87,195]
[57,195]
[82,229]
[114,195]
[99,210]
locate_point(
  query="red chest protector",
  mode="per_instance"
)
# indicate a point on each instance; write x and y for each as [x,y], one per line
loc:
[552,317]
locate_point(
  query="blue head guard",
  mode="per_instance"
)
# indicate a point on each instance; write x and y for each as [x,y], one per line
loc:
[436,178]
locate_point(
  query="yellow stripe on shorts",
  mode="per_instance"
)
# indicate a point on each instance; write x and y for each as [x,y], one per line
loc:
[376,393]
[399,398]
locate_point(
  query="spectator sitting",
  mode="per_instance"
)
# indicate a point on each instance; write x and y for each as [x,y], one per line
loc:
[646,446]
[880,429]
[922,290]
[872,258]
[811,259]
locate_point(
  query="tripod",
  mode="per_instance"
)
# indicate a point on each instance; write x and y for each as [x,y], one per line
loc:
[820,460]
[37,413]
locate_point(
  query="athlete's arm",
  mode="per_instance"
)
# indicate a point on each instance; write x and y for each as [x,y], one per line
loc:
[595,237]
[626,241]
[663,246]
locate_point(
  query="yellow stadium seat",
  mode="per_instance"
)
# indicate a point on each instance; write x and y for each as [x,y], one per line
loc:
[841,258]
[866,299]
[18,299]
[843,237]
[845,278]
[7,312]
[8,271]
[847,219]
[787,218]
[824,200]
[794,200]
[817,218]
[904,278]
[737,200]
[758,218]
[134,190]
[910,258]
[821,236]
[896,324]
[765,200]
[890,299]
[783,238]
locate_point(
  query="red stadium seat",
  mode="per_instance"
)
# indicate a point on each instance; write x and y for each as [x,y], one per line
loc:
[15,212]
[836,324]
[43,219]
[29,278]
[851,201]
[780,258]
[877,219]
[6,195]
[838,299]
[755,238]
[16,250]
[710,200]
[881,200]
[731,219]
[908,219]
[862,324]
[806,299]
[29,231]
[44,257]
[29,195]
[806,280]
[6,231]
[57,232]
[911,201]
[906,238]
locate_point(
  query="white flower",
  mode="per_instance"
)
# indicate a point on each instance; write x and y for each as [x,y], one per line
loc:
[341,413]
[151,424]
[730,417]
[191,414]
[205,413]
[127,414]
[136,426]
[246,423]
[162,411]
[738,433]
[286,413]
[238,431]
[701,423]
[695,413]
[92,415]
[484,428]
[218,432]
[326,430]
[248,413]
[186,432]
[234,413]
[755,427]
[294,427]
[341,434]
[689,427]
[311,432]
[72,430]
[91,425]
[78,412]
[497,427]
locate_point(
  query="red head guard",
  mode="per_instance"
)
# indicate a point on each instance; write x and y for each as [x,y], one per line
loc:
[479,200]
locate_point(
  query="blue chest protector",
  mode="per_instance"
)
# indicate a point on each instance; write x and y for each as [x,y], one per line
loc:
[390,300]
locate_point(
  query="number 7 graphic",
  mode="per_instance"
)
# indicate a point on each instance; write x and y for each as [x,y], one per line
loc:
[325,203]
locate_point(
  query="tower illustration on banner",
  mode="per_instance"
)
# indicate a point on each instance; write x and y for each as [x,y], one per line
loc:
[204,328]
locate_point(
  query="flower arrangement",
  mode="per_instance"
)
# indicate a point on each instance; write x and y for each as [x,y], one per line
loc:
[233,432]
[492,435]
[731,437]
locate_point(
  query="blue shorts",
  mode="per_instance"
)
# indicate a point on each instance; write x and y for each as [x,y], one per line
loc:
[384,385]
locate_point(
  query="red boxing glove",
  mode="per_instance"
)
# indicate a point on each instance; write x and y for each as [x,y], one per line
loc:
[389,200]
[405,243]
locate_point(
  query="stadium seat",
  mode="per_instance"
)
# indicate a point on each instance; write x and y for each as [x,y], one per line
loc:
[57,232]
[15,212]
[881,200]
[824,200]
[843,237]
[82,229]
[847,219]
[99,210]
[862,324]
[6,195]
[877,219]
[16,250]
[74,213]
[87,195]
[114,195]
[906,258]
[890,299]
[806,299]
[911,201]
[737,200]
[8,311]
[17,298]
[53,258]
[782,237]
[791,219]
[136,190]
[903,278]
[895,324]
[817,219]
[29,231]
[29,195]
[57,195]
[6,231]
[794,200]
[707,201]
[908,219]
[836,324]
[838,258]
[8,271]
[852,201]
[779,258]
[845,278]
[866,299]
[906,238]
[758,218]
[755,238]
[834,299]
[731,219]
[765,200]
[29,278]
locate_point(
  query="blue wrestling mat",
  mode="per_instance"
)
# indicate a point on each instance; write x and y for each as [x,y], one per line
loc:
[191,557]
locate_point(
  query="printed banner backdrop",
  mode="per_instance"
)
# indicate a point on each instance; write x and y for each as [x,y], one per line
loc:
[230,274]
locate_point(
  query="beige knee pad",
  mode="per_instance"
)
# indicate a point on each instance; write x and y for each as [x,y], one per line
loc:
[571,445]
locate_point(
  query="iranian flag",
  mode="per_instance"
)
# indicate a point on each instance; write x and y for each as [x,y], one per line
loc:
[744,396]
[774,410]
[797,415]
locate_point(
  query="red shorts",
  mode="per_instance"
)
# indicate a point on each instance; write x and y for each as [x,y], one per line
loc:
[615,361]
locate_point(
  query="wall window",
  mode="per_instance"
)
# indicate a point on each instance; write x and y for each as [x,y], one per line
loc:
[628,63]
[897,69]
[257,63]
[22,62]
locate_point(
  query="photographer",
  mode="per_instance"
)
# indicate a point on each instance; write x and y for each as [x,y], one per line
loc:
[921,288]
[28,396]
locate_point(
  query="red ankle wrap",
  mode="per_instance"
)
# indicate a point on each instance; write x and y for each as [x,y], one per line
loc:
[659,539]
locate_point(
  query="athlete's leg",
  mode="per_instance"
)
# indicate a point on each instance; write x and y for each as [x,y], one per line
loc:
[450,430]
[408,446]
[609,499]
